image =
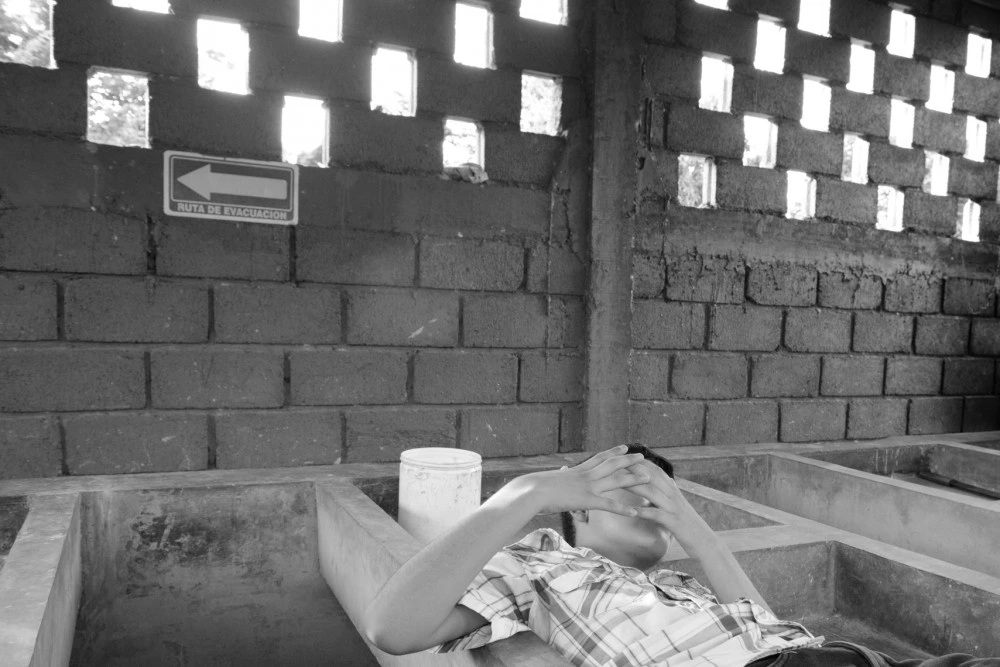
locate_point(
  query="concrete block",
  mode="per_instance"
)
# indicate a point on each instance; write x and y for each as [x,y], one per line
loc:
[571,429]
[694,130]
[29,447]
[859,113]
[968,178]
[847,202]
[116,444]
[938,41]
[514,320]
[782,285]
[510,431]
[816,55]
[852,376]
[260,313]
[709,376]
[982,413]
[247,11]
[658,20]
[883,332]
[893,165]
[785,10]
[283,62]
[976,95]
[427,28]
[72,241]
[648,275]
[817,330]
[135,310]
[447,87]
[29,308]
[388,316]
[127,180]
[902,77]
[967,376]
[741,422]
[557,269]
[870,418]
[667,326]
[813,421]
[784,375]
[363,138]
[536,46]
[745,328]
[471,264]
[707,279]
[454,376]
[71,379]
[671,71]
[658,180]
[709,29]
[842,290]
[649,375]
[989,223]
[277,439]
[767,93]
[378,435]
[939,131]
[206,378]
[329,255]
[969,297]
[986,337]
[246,126]
[861,20]
[45,101]
[751,188]
[221,249]
[809,150]
[45,171]
[913,294]
[348,377]
[551,377]
[947,336]
[935,415]
[667,424]
[519,157]
[929,213]
[912,376]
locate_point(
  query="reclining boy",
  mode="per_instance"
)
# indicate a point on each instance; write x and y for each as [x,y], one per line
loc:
[598,596]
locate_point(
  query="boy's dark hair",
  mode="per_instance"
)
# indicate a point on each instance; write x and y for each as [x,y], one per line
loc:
[569,529]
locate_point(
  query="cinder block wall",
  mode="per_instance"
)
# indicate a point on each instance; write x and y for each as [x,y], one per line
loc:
[404,310]
[751,327]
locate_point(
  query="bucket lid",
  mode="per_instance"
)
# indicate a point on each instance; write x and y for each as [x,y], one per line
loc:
[440,457]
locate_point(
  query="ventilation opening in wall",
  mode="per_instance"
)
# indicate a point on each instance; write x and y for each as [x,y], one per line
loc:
[117,108]
[935,173]
[814,16]
[547,11]
[322,19]
[716,84]
[968,221]
[902,28]
[26,32]
[975,139]
[304,131]
[760,142]
[158,6]
[394,81]
[718,4]
[900,123]
[862,77]
[890,209]
[463,143]
[855,166]
[980,53]
[695,181]
[541,103]
[815,105]
[942,94]
[223,56]
[769,54]
[473,35]
[801,195]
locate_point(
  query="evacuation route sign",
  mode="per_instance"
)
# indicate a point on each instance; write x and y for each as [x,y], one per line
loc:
[198,186]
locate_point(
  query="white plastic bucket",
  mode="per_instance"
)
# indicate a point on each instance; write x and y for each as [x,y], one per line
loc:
[438,486]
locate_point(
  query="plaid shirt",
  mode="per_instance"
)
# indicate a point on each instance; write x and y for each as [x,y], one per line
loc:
[597,613]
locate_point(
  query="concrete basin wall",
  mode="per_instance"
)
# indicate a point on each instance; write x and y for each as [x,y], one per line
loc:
[12,514]
[971,465]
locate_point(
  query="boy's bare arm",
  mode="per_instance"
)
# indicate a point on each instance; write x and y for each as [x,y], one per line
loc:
[418,606]
[674,512]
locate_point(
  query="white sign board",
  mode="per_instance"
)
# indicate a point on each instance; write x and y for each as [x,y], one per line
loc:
[199,186]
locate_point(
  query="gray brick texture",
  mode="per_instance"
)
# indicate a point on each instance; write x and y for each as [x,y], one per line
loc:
[749,422]
[277,439]
[667,424]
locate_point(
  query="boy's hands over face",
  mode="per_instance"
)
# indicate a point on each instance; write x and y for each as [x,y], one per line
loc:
[582,486]
[667,505]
